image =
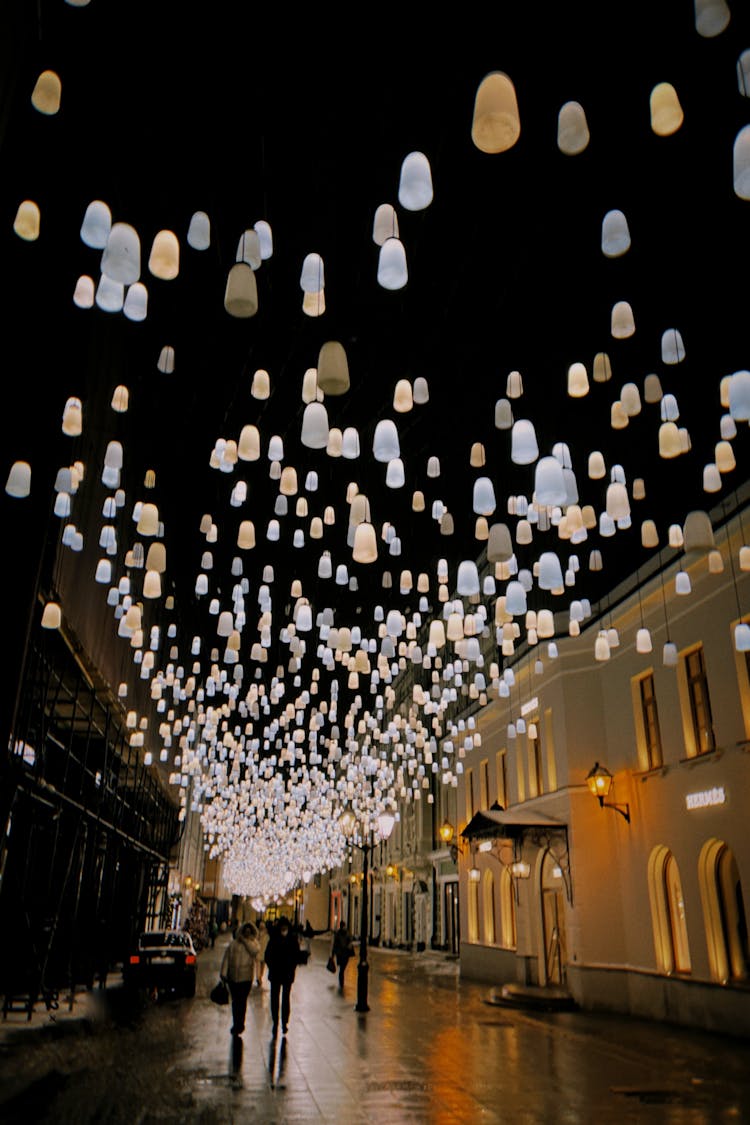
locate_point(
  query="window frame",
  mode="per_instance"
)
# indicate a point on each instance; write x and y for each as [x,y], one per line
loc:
[649,709]
[697,697]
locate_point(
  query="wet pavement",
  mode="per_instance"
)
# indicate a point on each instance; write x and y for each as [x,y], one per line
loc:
[432,1049]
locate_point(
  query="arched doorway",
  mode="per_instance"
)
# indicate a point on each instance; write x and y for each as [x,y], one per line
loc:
[488,908]
[724,914]
[553,921]
[507,910]
[668,913]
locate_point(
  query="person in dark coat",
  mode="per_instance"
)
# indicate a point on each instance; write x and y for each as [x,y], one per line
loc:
[342,950]
[282,957]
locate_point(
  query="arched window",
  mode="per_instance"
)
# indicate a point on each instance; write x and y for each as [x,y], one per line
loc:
[473,910]
[507,911]
[668,912]
[724,915]
[488,907]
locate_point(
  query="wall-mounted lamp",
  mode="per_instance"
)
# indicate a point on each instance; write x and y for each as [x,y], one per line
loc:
[599,781]
[447,833]
[474,874]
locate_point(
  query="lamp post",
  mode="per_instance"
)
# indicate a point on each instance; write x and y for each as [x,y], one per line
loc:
[348,825]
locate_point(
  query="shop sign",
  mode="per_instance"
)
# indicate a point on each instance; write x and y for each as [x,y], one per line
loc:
[706,798]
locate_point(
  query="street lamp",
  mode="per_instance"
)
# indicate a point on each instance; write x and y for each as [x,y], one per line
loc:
[599,780]
[348,825]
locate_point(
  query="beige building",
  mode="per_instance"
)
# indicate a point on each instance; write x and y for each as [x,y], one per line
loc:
[636,900]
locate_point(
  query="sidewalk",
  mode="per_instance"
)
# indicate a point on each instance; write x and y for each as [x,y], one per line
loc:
[79,1011]
[430,1050]
[83,1007]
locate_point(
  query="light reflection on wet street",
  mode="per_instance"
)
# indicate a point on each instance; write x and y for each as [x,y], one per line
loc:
[431,1050]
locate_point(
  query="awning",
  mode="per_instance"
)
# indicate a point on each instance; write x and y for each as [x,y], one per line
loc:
[510,823]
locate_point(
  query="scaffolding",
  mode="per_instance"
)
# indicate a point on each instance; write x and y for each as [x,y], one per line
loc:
[87,833]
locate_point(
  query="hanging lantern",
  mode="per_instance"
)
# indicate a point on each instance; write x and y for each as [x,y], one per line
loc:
[333,369]
[51,616]
[96,225]
[672,347]
[83,296]
[524,447]
[711,17]
[385,224]
[135,305]
[18,483]
[199,231]
[27,221]
[415,182]
[121,259]
[572,129]
[741,163]
[241,293]
[615,234]
[45,97]
[315,428]
[602,368]
[578,380]
[666,111]
[622,321]
[164,259]
[312,277]
[392,269]
[110,295]
[495,124]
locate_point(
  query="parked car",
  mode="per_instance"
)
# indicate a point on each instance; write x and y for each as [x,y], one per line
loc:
[164,960]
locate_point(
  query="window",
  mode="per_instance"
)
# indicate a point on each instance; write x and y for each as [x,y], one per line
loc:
[469,794]
[484,784]
[700,704]
[501,771]
[473,910]
[488,907]
[650,716]
[536,779]
[742,663]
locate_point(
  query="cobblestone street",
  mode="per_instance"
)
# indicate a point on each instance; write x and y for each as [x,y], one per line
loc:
[431,1049]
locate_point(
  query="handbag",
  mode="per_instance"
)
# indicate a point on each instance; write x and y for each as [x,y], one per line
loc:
[219,993]
[331,965]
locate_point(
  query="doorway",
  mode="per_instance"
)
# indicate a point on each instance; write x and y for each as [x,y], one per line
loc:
[553,923]
[452,929]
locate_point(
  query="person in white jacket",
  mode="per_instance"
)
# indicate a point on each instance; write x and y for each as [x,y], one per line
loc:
[238,968]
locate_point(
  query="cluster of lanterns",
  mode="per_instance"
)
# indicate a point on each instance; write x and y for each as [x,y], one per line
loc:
[363,716]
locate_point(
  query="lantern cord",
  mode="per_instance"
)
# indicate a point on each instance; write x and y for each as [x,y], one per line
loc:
[640,603]
[731,565]
[663,596]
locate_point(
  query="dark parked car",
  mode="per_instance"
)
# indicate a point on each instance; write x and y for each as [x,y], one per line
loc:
[165,961]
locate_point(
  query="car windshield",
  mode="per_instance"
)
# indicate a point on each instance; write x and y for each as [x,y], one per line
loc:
[156,938]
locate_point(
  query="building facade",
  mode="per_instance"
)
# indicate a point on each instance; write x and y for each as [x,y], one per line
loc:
[634,901]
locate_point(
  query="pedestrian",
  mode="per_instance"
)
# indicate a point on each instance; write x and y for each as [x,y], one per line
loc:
[238,970]
[342,950]
[213,931]
[260,963]
[282,958]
